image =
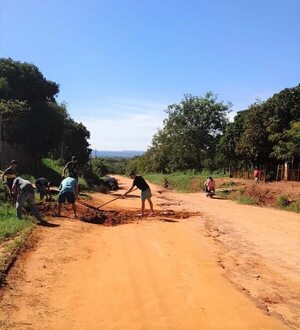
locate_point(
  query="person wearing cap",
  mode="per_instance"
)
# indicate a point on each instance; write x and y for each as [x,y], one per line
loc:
[25,192]
[42,186]
[140,183]
[73,168]
[8,177]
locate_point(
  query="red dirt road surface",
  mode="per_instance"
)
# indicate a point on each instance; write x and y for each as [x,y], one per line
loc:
[229,266]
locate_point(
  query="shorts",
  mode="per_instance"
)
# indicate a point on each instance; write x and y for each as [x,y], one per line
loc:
[66,196]
[39,188]
[146,194]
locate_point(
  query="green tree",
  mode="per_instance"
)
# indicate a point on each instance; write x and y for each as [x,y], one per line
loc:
[74,142]
[227,147]
[289,146]
[31,116]
[190,133]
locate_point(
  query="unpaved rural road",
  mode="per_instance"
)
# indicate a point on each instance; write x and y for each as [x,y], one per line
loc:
[233,267]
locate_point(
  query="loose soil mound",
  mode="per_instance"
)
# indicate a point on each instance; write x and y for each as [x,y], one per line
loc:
[89,213]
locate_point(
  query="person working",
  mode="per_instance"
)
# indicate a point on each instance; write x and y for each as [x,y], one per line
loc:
[42,186]
[68,190]
[25,192]
[73,168]
[8,177]
[140,183]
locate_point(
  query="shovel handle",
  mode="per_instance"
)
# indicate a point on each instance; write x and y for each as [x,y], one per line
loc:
[113,200]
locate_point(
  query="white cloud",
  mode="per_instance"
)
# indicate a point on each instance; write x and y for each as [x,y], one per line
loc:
[127,130]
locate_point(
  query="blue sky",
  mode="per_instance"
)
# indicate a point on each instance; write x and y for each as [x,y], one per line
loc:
[120,63]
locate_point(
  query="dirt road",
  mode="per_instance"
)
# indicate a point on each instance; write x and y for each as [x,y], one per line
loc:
[233,267]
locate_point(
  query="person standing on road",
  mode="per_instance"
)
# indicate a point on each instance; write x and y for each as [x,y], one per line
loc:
[73,168]
[140,183]
[42,186]
[256,175]
[25,192]
[68,190]
[8,177]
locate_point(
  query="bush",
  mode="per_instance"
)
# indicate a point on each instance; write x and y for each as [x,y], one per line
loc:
[247,200]
[294,206]
[83,184]
[283,201]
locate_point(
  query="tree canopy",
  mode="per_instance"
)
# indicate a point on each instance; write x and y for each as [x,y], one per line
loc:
[197,134]
[31,116]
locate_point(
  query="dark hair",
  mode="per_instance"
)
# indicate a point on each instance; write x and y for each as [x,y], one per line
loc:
[13,162]
[210,178]
[132,173]
[73,157]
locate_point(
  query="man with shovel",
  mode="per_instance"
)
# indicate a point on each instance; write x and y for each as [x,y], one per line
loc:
[140,183]
[68,191]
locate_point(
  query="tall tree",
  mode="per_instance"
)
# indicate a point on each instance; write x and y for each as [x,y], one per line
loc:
[191,131]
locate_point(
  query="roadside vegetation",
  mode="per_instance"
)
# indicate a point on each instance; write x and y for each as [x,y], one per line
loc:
[197,135]
[13,233]
[187,181]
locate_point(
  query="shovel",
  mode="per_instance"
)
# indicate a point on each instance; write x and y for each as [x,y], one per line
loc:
[98,207]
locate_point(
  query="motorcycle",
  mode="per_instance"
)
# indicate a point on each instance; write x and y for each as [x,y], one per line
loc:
[210,193]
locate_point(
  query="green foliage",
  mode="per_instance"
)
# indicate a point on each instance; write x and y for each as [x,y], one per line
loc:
[94,170]
[74,142]
[31,116]
[226,148]
[187,181]
[288,146]
[137,164]
[246,200]
[271,128]
[10,225]
[116,165]
[188,138]
[50,169]
[24,82]
[294,206]
[283,201]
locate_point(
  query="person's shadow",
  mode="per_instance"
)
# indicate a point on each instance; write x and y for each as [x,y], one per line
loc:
[47,224]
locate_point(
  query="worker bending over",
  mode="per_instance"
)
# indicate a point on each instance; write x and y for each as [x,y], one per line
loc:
[68,191]
[140,183]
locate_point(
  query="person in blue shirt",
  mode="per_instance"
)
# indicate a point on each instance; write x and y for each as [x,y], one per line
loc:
[68,191]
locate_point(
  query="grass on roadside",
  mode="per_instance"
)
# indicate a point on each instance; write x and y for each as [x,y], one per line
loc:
[247,200]
[10,225]
[182,181]
[13,235]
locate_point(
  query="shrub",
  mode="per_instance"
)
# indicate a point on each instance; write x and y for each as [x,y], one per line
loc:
[246,200]
[294,206]
[283,201]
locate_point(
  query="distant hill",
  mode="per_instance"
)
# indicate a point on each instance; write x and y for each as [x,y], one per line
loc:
[122,154]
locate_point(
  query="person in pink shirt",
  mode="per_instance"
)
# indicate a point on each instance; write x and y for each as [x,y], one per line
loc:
[256,175]
[209,184]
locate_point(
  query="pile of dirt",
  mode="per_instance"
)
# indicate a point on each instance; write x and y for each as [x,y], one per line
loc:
[109,217]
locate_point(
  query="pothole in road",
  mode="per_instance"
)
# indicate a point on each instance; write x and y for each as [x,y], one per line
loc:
[112,217]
